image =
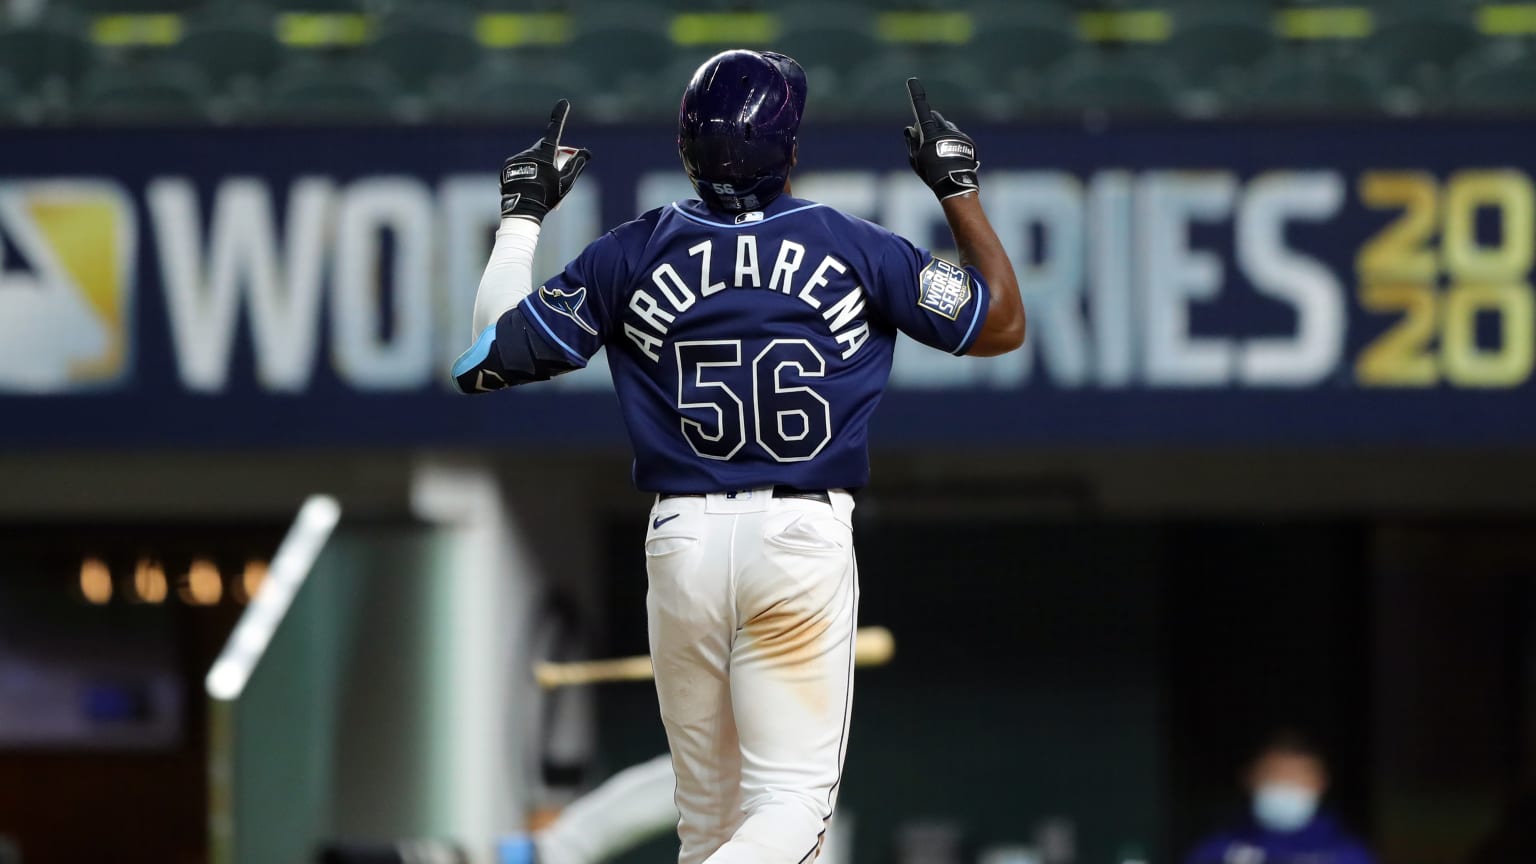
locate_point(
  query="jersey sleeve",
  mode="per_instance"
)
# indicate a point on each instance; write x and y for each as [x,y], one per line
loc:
[938,303]
[573,310]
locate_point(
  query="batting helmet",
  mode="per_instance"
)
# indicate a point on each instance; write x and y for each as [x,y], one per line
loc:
[737,127]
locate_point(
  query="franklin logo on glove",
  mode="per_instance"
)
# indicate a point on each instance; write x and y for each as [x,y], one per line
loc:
[956,148]
[942,155]
[519,171]
[536,180]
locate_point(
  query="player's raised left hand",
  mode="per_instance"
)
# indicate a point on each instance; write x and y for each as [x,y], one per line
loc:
[939,152]
[536,180]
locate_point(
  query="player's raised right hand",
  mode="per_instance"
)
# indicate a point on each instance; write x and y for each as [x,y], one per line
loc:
[939,152]
[535,181]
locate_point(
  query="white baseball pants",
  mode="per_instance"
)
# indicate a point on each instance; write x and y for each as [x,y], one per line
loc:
[752,610]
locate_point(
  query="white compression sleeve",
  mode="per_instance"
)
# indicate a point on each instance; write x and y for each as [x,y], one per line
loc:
[508,276]
[631,807]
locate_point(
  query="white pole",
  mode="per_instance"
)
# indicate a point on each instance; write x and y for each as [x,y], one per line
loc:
[230,673]
[285,576]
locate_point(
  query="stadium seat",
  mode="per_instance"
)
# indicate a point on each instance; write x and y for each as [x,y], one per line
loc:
[619,13]
[1495,85]
[421,45]
[332,6]
[142,92]
[1209,45]
[43,52]
[230,47]
[878,89]
[509,91]
[622,55]
[658,101]
[1134,84]
[828,40]
[134,7]
[314,90]
[1314,83]
[920,5]
[1424,7]
[515,5]
[1015,36]
[1415,48]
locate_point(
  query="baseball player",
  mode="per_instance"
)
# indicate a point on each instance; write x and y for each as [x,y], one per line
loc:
[749,335]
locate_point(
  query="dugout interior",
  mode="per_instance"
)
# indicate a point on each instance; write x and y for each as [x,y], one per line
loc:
[1084,639]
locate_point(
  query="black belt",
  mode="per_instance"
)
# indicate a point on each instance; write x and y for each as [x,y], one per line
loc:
[778,492]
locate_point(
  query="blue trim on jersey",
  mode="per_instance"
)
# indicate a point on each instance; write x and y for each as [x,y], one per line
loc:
[965,341]
[685,214]
[571,352]
[476,353]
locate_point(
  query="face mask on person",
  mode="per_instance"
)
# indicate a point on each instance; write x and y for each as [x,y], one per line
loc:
[1284,807]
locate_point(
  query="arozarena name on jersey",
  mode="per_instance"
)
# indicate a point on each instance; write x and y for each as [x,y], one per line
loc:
[652,313]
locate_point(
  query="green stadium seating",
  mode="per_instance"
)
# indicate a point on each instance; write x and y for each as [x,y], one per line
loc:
[310,90]
[1422,7]
[1292,83]
[617,13]
[134,7]
[658,101]
[1015,36]
[1127,83]
[623,61]
[1418,52]
[878,89]
[231,48]
[923,5]
[1495,84]
[1211,45]
[829,40]
[332,6]
[514,5]
[1247,9]
[46,51]
[509,91]
[423,45]
[1422,40]
[159,91]
[625,56]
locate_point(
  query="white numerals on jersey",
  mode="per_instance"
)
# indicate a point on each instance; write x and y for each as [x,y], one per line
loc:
[790,421]
[694,362]
[801,421]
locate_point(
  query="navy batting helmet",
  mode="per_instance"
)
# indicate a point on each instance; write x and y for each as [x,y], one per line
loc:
[738,125]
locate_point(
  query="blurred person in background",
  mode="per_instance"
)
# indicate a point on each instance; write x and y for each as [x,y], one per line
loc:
[1286,782]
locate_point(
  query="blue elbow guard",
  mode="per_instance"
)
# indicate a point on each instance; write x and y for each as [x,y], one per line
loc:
[509,353]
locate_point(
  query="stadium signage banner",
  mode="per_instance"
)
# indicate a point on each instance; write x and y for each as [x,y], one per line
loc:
[1184,284]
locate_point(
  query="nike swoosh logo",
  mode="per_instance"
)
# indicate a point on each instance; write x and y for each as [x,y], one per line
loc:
[662,520]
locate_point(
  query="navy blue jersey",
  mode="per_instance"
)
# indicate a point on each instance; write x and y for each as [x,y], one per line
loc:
[752,351]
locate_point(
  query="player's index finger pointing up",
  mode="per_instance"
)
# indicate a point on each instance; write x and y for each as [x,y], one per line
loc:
[557,123]
[919,96]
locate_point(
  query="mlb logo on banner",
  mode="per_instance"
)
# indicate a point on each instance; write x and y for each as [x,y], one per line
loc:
[67,253]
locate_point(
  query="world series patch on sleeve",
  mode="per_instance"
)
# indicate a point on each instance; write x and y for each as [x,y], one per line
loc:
[944,288]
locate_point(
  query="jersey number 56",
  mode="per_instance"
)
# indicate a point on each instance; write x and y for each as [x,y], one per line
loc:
[790,421]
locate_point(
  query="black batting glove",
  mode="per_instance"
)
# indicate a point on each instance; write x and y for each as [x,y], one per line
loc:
[941,154]
[536,180]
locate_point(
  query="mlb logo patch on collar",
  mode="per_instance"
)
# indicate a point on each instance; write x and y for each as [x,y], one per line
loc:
[750,216]
[943,288]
